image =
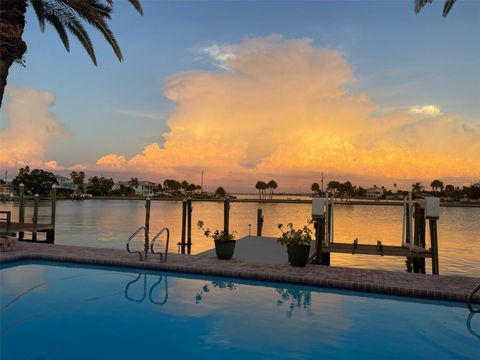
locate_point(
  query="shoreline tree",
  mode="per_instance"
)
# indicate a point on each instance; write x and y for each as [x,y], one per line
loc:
[132,184]
[272,185]
[66,17]
[78,179]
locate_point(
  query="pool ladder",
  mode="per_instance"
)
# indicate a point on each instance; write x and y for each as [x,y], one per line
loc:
[469,300]
[149,245]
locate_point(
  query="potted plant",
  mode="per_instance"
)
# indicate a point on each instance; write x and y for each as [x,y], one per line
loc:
[224,243]
[297,242]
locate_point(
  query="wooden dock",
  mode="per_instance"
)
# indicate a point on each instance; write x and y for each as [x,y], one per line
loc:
[384,250]
[8,227]
[266,250]
[15,227]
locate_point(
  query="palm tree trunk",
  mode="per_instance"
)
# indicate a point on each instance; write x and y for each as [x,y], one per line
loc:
[12,23]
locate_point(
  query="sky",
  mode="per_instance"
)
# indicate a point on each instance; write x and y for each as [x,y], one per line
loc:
[364,91]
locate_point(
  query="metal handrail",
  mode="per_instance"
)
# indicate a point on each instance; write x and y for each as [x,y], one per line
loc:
[469,300]
[130,239]
[152,250]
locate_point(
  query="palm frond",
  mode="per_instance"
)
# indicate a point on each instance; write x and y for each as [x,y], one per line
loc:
[138,7]
[448,6]
[135,3]
[66,15]
[42,16]
[95,13]
[40,12]
[60,28]
[419,4]
[57,13]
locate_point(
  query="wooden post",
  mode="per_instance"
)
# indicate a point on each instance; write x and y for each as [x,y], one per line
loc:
[419,237]
[325,257]
[226,216]
[51,232]
[408,225]
[259,221]
[147,225]
[21,208]
[184,223]
[434,243]
[189,226]
[35,218]
[319,223]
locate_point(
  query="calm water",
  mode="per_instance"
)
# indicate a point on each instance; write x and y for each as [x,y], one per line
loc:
[108,223]
[55,312]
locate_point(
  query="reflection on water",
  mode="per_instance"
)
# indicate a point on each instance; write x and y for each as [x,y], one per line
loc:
[108,223]
[155,287]
[295,299]
[469,324]
[112,309]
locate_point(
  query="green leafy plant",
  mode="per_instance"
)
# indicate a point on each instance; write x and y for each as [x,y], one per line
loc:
[291,236]
[215,235]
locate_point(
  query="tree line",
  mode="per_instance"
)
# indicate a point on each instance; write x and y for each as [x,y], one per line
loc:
[40,182]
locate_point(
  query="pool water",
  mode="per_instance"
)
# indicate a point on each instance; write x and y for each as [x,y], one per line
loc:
[59,311]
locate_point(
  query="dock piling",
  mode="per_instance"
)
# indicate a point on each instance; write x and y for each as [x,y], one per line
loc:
[434,244]
[53,210]
[21,208]
[419,236]
[189,226]
[259,221]
[35,218]
[184,225]
[226,216]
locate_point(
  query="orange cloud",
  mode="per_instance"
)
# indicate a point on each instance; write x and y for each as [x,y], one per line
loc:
[274,108]
[30,127]
[281,107]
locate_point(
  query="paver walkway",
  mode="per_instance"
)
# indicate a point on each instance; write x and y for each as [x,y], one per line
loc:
[455,288]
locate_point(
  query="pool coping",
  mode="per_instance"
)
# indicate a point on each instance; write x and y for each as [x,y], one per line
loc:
[425,286]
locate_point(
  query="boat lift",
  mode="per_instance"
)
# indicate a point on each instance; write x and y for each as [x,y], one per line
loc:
[413,246]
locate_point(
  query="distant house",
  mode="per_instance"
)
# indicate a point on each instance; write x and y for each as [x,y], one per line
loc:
[374,192]
[144,188]
[7,191]
[65,183]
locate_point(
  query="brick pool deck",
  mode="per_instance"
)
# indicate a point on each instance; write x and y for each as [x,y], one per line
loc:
[437,287]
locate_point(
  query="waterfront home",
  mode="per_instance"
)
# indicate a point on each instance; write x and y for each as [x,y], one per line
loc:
[144,188]
[65,183]
[7,191]
[374,192]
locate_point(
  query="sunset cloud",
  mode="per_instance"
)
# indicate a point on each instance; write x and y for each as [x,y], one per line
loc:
[273,108]
[29,127]
[429,110]
[281,107]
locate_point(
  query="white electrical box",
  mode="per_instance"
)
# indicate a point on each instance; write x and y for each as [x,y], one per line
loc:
[432,208]
[318,207]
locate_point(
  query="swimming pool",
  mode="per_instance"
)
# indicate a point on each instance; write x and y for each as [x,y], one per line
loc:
[60,311]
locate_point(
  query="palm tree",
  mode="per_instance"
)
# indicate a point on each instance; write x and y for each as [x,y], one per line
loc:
[272,185]
[436,184]
[447,6]
[66,16]
[264,189]
[417,187]
[133,183]
[258,186]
